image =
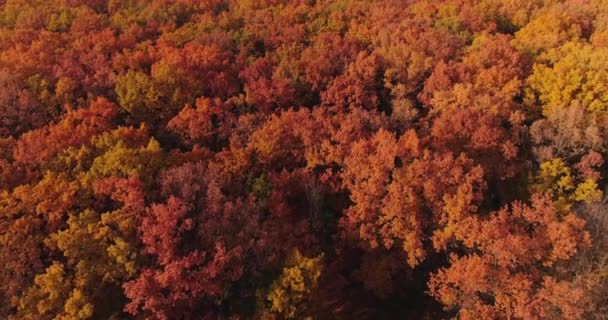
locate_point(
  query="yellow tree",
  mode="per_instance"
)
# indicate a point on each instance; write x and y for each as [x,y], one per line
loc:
[573,73]
[290,295]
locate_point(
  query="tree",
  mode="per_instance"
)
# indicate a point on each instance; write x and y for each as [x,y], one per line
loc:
[184,278]
[326,58]
[491,70]
[76,129]
[263,91]
[557,180]
[51,298]
[206,124]
[19,111]
[359,87]
[570,74]
[98,258]
[552,28]
[472,109]
[289,295]
[336,159]
[513,267]
[396,183]
[28,215]
[137,94]
[568,133]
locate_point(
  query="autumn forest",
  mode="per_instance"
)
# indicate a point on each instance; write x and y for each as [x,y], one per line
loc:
[303,159]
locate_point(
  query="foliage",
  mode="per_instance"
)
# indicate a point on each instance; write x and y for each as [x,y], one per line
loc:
[336,159]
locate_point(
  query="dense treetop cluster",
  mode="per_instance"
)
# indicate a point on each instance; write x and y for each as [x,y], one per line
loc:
[303,159]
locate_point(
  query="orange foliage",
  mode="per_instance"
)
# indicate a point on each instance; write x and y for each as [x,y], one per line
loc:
[274,159]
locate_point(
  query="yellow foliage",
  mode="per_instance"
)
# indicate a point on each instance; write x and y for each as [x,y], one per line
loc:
[52,297]
[555,178]
[123,161]
[546,31]
[573,73]
[136,92]
[64,88]
[61,21]
[588,192]
[46,297]
[98,257]
[77,306]
[289,296]
[96,245]
[447,19]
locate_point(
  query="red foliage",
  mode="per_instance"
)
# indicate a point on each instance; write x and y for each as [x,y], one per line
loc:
[76,129]
[515,271]
[237,159]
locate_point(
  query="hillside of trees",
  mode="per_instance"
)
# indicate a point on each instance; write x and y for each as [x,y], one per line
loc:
[303,159]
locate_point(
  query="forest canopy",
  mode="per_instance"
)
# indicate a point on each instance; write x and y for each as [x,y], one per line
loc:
[303,159]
